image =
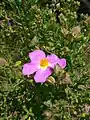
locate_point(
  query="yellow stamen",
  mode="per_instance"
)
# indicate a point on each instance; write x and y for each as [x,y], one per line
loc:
[44,63]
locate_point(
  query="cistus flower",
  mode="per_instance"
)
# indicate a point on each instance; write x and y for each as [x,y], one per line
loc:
[42,65]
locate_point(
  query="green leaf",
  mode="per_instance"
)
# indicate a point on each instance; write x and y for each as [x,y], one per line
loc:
[18,63]
[18,2]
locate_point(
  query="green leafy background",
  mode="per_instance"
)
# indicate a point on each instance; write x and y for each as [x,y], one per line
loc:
[34,26]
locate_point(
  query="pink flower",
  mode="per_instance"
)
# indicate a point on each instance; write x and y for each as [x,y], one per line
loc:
[42,65]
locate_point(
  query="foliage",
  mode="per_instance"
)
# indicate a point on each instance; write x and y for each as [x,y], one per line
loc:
[50,26]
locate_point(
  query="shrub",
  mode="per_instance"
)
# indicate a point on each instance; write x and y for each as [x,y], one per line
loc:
[51,26]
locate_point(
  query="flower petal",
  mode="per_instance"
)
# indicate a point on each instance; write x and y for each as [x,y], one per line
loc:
[62,63]
[42,75]
[53,60]
[37,55]
[29,68]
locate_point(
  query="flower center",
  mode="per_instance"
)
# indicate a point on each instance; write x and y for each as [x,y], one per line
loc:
[44,63]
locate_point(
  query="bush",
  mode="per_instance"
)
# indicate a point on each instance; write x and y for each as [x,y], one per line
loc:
[51,26]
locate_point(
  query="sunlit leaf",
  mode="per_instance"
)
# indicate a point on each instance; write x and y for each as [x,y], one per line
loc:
[18,63]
